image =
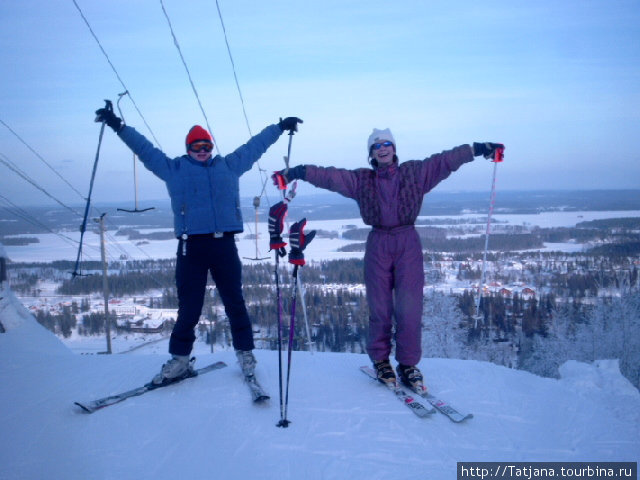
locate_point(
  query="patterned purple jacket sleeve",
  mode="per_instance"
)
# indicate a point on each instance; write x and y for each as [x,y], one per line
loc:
[439,166]
[337,180]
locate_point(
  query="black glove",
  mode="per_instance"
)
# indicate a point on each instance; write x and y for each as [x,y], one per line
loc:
[107,116]
[299,242]
[486,149]
[289,123]
[276,224]
[283,177]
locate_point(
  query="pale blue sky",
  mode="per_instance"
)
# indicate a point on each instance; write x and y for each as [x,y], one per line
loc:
[557,81]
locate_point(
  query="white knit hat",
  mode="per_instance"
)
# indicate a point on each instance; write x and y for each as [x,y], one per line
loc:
[378,136]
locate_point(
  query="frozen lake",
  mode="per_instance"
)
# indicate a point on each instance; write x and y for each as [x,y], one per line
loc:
[56,247]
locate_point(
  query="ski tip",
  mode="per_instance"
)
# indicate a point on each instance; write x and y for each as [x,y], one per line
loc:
[262,399]
[83,408]
[457,417]
[468,416]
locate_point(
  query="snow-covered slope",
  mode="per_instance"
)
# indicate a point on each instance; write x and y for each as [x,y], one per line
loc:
[344,426]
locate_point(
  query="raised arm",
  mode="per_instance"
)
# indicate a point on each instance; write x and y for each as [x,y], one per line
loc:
[339,180]
[243,158]
[152,158]
[439,166]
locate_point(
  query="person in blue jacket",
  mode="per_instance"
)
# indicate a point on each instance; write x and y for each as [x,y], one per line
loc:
[205,199]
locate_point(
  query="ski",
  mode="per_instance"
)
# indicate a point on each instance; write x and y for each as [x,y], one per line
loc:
[257,392]
[442,406]
[93,405]
[416,407]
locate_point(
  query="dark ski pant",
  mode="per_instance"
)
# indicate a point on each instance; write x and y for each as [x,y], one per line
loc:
[394,279]
[205,254]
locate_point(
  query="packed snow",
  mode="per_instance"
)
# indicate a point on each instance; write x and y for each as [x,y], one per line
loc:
[344,425]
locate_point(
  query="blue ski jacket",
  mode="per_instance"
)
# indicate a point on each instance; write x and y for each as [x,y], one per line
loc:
[205,197]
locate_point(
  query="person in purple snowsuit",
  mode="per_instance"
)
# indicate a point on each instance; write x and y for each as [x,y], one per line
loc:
[390,197]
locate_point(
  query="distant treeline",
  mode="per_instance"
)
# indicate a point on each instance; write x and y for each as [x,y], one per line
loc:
[626,249]
[134,278]
[121,284]
[133,234]
[434,240]
[632,223]
[618,243]
[18,241]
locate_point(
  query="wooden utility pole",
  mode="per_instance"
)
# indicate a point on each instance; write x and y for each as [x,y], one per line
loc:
[105,282]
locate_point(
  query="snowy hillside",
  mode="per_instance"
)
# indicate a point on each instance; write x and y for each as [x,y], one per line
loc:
[344,426]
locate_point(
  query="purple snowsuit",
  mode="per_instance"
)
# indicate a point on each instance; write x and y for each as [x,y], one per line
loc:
[390,198]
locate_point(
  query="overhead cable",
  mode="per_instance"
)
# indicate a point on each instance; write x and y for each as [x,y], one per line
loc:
[193,87]
[233,67]
[27,217]
[11,166]
[116,72]
[40,157]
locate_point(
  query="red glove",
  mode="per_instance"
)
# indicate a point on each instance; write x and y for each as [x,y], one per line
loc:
[299,242]
[279,180]
[277,214]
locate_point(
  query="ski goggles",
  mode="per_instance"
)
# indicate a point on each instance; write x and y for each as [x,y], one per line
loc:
[198,147]
[378,146]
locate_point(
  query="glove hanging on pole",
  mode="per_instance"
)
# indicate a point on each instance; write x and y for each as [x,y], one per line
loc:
[299,241]
[277,214]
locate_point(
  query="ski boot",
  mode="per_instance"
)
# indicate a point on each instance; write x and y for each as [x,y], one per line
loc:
[247,362]
[411,377]
[177,368]
[384,372]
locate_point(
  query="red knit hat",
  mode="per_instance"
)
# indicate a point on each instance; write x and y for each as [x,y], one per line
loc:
[198,133]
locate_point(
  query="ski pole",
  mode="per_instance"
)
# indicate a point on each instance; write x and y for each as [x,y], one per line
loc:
[284,422]
[282,185]
[277,214]
[498,157]
[299,241]
[83,227]
[288,157]
[304,313]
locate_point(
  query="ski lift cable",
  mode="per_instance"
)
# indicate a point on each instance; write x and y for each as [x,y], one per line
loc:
[11,166]
[26,216]
[7,162]
[84,18]
[26,177]
[41,158]
[184,63]
[233,67]
[262,173]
